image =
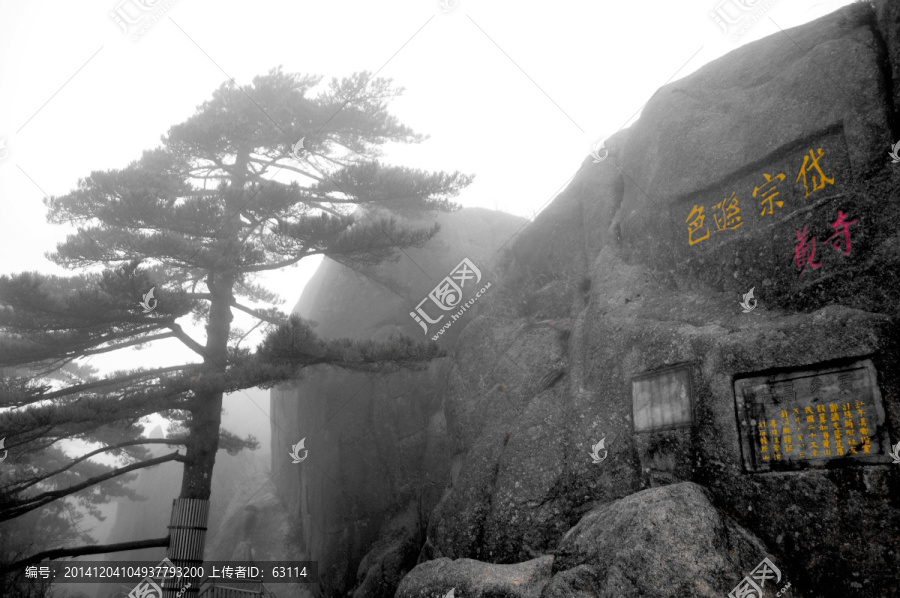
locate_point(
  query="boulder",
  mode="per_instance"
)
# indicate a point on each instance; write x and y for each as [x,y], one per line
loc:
[392,556]
[658,543]
[474,579]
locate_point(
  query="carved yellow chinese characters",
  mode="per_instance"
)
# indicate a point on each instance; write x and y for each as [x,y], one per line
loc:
[817,440]
[695,223]
[811,162]
[768,192]
[727,213]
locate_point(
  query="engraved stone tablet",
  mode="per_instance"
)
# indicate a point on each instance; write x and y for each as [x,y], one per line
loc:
[808,418]
[662,400]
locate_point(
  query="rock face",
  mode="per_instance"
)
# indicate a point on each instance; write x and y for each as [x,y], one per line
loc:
[474,578]
[379,455]
[255,527]
[639,266]
[660,542]
[375,302]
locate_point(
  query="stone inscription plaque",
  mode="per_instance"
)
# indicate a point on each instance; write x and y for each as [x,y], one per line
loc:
[808,418]
[662,400]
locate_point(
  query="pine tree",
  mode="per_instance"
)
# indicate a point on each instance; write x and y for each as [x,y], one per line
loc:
[197,219]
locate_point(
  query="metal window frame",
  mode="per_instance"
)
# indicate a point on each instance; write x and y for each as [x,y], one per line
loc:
[688,368]
[748,449]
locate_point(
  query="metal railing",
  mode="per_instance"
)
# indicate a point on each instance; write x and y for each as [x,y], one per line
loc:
[218,591]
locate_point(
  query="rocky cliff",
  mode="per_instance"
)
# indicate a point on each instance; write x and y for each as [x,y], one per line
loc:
[616,316]
[379,453]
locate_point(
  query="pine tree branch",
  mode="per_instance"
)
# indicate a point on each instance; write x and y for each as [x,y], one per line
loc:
[272,163]
[202,192]
[46,430]
[137,341]
[246,334]
[211,176]
[57,553]
[13,489]
[68,414]
[256,314]
[252,229]
[117,381]
[35,502]
[277,265]
[71,350]
[328,209]
[190,343]
[53,365]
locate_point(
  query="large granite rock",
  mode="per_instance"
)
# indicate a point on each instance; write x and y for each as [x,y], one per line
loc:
[255,526]
[508,419]
[806,109]
[656,543]
[376,444]
[379,455]
[468,578]
[646,299]
[617,278]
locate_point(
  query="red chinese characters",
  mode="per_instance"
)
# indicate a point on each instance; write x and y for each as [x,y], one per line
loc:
[805,247]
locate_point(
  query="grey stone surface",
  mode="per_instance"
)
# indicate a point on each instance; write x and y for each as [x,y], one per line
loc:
[604,286]
[657,543]
[377,444]
[475,579]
